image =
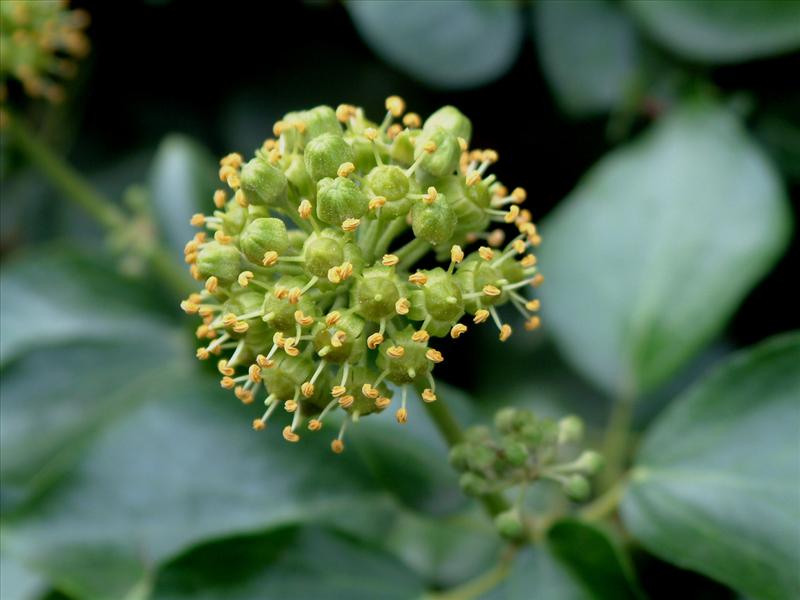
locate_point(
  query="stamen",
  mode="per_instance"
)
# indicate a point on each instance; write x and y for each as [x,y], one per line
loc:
[458,330]
[402,413]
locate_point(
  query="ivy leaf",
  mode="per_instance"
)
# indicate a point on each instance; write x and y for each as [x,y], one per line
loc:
[654,250]
[450,45]
[288,563]
[589,53]
[721,32]
[715,484]
[183,177]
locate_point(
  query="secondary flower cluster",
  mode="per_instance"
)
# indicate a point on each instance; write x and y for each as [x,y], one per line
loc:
[326,314]
[40,39]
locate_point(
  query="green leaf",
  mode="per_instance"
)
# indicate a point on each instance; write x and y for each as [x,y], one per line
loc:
[589,53]
[594,559]
[288,563]
[721,32]
[536,573]
[17,581]
[715,487]
[450,45]
[183,177]
[654,250]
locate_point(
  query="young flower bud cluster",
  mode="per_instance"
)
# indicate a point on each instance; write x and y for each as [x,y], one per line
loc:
[522,449]
[330,313]
[40,42]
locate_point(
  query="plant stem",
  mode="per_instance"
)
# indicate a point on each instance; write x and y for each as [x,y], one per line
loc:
[617,435]
[606,504]
[451,431]
[475,588]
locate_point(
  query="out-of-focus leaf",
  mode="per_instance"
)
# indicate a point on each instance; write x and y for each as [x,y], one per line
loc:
[715,487]
[589,53]
[653,251]
[452,45]
[17,582]
[57,296]
[288,563]
[536,573]
[721,32]
[183,177]
[594,559]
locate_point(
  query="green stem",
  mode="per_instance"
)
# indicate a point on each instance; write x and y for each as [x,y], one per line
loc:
[451,431]
[412,252]
[394,229]
[605,504]
[615,445]
[475,588]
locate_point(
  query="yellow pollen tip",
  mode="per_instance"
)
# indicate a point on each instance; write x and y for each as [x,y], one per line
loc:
[402,306]
[418,278]
[241,327]
[346,401]
[259,425]
[344,112]
[369,391]
[490,156]
[375,340]
[473,178]
[222,238]
[528,261]
[377,202]
[241,200]
[486,253]
[382,402]
[202,353]
[412,120]
[393,131]
[533,323]
[496,238]
[395,105]
[254,372]
[480,316]
[505,332]
[304,210]
[389,260]
[533,305]
[220,198]
[428,395]
[462,143]
[401,415]
[396,351]
[537,280]
[456,254]
[308,389]
[338,390]
[519,195]
[420,336]
[371,134]
[519,246]
[290,406]
[458,330]
[190,308]
[227,382]
[244,278]
[345,169]
[337,446]
[289,435]
[223,368]
[350,225]
[332,318]
[270,258]
[264,362]
[512,214]
[434,355]
[314,425]
[491,290]
[198,220]
[211,284]
[244,395]
[429,147]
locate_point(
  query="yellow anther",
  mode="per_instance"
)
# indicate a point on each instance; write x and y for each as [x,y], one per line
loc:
[314,425]
[338,390]
[220,198]
[280,292]
[512,214]
[346,401]
[533,305]
[269,144]
[289,435]
[300,126]
[480,316]
[369,391]
[458,330]
[462,143]
[274,156]
[202,353]
[229,319]
[519,246]
[486,253]
[344,112]
[476,155]
[337,446]
[401,415]
[533,323]
[491,290]
[490,156]
[429,147]
[418,278]
[505,332]
[350,225]
[420,336]
[375,340]
[431,196]
[222,238]
[194,271]
[270,258]
[402,306]
[211,284]
[389,260]
[412,120]
[254,373]
[345,169]
[382,402]
[224,369]
[294,295]
[338,338]
[259,425]
[537,280]
[434,355]
[371,134]
[303,319]
[308,389]
[234,159]
[528,229]
[528,260]
[190,308]
[290,406]
[499,190]
[198,220]
[396,351]
[244,278]
[393,131]
[227,382]
[535,240]
[191,247]
[246,396]
[473,178]
[241,327]
[377,202]
[241,200]
[304,210]
[496,238]
[519,195]
[395,105]
[332,318]
[334,275]
[279,127]
[428,395]
[264,362]
[226,172]
[456,254]
[346,270]
[201,331]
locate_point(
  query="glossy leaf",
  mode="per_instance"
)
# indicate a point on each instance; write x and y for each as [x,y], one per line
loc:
[721,32]
[715,487]
[451,45]
[650,255]
[589,53]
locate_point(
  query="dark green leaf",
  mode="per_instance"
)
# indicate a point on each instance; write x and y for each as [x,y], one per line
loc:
[536,573]
[456,44]
[589,53]
[721,32]
[653,251]
[715,487]
[288,563]
[594,559]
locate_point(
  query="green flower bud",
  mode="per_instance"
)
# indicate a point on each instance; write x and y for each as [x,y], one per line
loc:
[515,452]
[363,404]
[443,299]
[590,462]
[474,275]
[376,293]
[287,375]
[363,154]
[324,154]
[570,429]
[469,203]
[474,485]
[505,419]
[509,524]
[477,434]
[434,222]
[319,121]
[262,183]
[577,488]
[300,182]
[234,218]
[412,365]
[390,182]
[263,235]
[340,199]
[480,457]
[219,260]
[450,119]
[322,252]
[402,149]
[444,159]
[458,457]
[347,348]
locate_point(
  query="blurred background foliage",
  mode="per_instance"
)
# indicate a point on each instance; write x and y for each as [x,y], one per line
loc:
[659,143]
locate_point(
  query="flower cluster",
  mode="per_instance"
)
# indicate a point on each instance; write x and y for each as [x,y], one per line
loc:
[521,450]
[327,313]
[40,40]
